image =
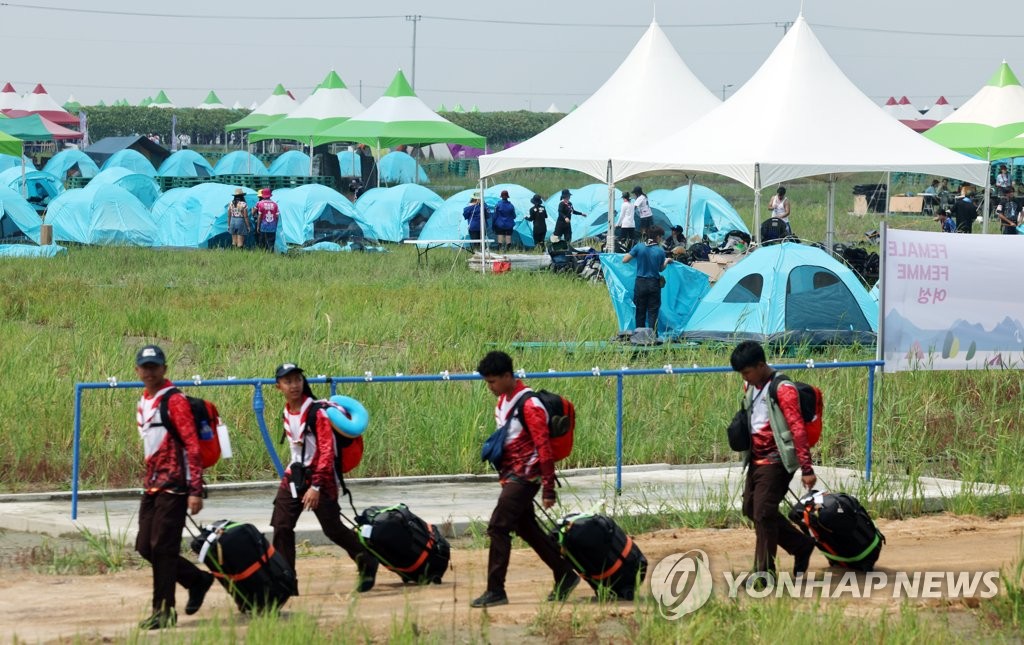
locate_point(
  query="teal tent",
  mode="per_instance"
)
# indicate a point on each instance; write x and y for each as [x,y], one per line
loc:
[185,163]
[293,163]
[400,212]
[19,222]
[446,222]
[449,224]
[37,186]
[316,213]
[101,215]
[130,160]
[240,162]
[683,290]
[14,161]
[71,161]
[789,292]
[196,217]
[710,215]
[143,187]
[592,201]
[400,168]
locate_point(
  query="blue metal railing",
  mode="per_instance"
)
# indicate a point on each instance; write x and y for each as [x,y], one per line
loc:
[368,377]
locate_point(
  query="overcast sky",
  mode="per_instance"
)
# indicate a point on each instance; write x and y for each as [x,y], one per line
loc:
[496,55]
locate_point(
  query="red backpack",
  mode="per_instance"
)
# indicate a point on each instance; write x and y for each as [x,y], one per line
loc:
[812,405]
[561,420]
[206,418]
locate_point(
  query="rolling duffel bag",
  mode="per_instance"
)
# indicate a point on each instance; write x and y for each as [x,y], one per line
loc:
[601,552]
[256,576]
[404,543]
[841,528]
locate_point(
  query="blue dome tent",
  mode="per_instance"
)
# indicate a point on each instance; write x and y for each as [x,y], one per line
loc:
[447,222]
[711,214]
[400,212]
[71,160]
[240,162]
[185,163]
[787,292]
[102,215]
[195,217]
[131,160]
[592,201]
[19,222]
[317,213]
[142,186]
[349,164]
[682,293]
[400,168]
[38,187]
[10,161]
[293,163]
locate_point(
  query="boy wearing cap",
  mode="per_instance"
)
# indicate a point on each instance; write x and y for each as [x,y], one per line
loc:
[563,226]
[311,481]
[945,220]
[471,214]
[267,217]
[504,221]
[238,218]
[172,486]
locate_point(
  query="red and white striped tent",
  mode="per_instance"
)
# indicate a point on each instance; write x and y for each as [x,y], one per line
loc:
[9,99]
[41,103]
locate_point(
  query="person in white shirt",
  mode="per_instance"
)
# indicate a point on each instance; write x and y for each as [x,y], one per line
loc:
[1003,182]
[779,206]
[625,225]
[642,210]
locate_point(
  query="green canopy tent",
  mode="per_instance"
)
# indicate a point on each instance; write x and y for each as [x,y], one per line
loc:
[10,145]
[37,128]
[212,102]
[985,123]
[277,106]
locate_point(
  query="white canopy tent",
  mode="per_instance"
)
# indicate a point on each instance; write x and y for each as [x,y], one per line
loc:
[652,93]
[773,129]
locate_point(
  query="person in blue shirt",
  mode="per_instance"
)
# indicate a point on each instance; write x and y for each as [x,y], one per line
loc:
[650,262]
[504,222]
[471,213]
[945,220]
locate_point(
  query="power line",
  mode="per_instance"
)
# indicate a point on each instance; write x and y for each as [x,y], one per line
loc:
[909,32]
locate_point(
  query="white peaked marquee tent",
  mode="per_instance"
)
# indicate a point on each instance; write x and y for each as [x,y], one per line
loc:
[651,94]
[761,142]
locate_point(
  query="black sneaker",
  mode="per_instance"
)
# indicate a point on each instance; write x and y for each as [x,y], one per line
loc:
[160,620]
[563,588]
[367,566]
[490,599]
[197,594]
[802,560]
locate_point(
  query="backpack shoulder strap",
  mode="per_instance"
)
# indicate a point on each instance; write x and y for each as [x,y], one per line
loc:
[165,416]
[773,385]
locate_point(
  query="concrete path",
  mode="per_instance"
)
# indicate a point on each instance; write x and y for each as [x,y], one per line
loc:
[456,502]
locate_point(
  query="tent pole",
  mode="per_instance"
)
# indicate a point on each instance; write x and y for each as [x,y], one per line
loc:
[24,184]
[311,156]
[888,191]
[988,183]
[483,229]
[757,203]
[377,163]
[610,243]
[830,231]
[689,205]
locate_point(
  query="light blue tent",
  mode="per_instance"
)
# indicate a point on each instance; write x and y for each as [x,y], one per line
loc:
[131,160]
[787,292]
[683,290]
[195,217]
[240,162]
[101,215]
[317,213]
[143,187]
[711,214]
[592,201]
[38,187]
[185,163]
[400,212]
[293,163]
[19,222]
[349,164]
[30,251]
[11,161]
[400,168]
[66,160]
[447,223]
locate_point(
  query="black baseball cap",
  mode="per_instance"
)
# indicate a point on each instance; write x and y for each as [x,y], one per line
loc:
[150,355]
[285,369]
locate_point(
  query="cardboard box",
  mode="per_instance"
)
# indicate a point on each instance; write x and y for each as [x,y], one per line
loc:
[860,205]
[904,204]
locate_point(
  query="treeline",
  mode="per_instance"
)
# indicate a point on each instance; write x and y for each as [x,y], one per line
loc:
[205,126]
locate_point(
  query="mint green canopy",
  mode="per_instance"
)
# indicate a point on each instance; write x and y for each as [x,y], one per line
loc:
[277,106]
[330,104]
[398,117]
[991,117]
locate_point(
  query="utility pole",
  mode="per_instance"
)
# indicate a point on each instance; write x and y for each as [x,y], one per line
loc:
[415,18]
[785,26]
[724,88]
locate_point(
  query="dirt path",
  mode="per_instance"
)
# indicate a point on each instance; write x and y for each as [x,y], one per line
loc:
[107,607]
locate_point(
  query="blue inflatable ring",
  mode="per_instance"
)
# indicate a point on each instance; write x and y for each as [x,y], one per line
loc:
[352,424]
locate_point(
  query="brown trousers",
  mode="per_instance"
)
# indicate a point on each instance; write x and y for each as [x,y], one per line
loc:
[765,487]
[161,520]
[514,512]
[286,514]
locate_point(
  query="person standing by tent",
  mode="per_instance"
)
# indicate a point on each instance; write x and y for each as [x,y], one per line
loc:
[1003,181]
[172,486]
[625,226]
[538,216]
[642,209]
[267,217]
[471,214]
[525,467]
[238,219]
[563,226]
[1006,211]
[965,212]
[650,262]
[779,206]
[778,448]
[311,480]
[504,221]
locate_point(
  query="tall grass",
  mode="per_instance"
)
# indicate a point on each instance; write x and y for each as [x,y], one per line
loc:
[81,317]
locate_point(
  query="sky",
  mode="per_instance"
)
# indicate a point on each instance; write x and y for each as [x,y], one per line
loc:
[526,54]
